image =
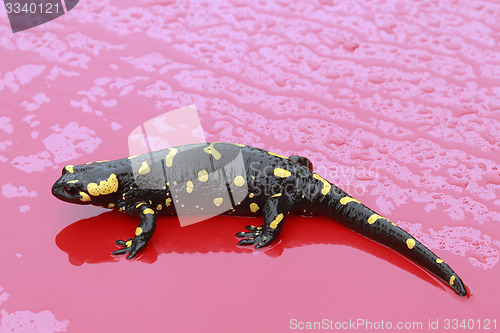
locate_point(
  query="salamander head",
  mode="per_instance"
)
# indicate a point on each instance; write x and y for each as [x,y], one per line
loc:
[86,184]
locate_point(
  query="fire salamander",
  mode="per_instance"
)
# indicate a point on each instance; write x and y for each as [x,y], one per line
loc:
[225,178]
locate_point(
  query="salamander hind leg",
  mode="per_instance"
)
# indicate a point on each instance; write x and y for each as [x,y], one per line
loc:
[275,210]
[143,232]
[302,160]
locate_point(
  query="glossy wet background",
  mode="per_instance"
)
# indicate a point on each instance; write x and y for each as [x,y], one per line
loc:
[396,102]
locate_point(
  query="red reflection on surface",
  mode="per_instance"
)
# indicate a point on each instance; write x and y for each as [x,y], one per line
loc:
[92,240]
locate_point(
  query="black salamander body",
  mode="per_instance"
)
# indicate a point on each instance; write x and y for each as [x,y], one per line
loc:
[225,178]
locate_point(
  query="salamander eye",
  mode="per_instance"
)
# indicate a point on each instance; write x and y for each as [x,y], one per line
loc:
[71,188]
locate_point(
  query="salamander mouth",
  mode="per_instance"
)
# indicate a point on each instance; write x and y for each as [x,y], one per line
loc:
[61,192]
[57,190]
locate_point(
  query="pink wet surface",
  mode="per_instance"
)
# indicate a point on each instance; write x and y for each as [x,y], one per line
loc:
[407,90]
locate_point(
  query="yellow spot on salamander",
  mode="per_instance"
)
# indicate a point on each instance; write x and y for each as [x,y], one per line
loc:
[159,207]
[189,187]
[107,186]
[374,218]
[203,175]
[251,195]
[439,261]
[278,172]
[72,181]
[138,231]
[144,169]
[276,195]
[84,196]
[452,280]
[121,209]
[410,242]
[128,243]
[97,162]
[148,211]
[70,168]
[346,200]
[168,201]
[326,185]
[169,159]
[140,204]
[239,181]
[218,201]
[254,207]
[212,151]
[277,155]
[111,205]
[276,221]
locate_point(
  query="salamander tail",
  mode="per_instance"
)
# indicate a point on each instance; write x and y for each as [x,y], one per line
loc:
[356,216]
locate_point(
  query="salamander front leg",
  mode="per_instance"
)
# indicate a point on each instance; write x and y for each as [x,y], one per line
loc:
[275,210]
[143,233]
